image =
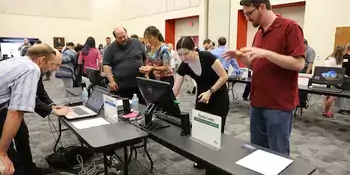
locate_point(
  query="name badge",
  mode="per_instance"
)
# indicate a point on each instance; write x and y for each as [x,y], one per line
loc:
[345,60]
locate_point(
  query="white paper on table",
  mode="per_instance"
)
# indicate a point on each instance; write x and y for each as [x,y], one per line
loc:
[264,162]
[89,123]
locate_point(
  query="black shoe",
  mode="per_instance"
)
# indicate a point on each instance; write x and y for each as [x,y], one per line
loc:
[42,171]
[245,99]
[198,166]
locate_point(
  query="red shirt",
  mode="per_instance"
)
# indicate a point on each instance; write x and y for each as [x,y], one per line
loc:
[274,87]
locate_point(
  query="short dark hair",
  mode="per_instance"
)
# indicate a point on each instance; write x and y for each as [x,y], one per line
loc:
[185,43]
[222,41]
[134,36]
[108,37]
[206,41]
[256,3]
[305,42]
[38,41]
[153,31]
[70,44]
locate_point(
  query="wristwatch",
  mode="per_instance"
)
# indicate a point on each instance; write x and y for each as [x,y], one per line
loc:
[211,90]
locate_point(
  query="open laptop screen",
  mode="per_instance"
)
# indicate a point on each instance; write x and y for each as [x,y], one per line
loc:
[95,101]
[328,75]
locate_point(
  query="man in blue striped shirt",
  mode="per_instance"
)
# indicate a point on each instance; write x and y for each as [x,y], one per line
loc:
[225,62]
[19,78]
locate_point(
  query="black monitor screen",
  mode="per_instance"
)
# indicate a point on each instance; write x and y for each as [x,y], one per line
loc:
[328,75]
[160,94]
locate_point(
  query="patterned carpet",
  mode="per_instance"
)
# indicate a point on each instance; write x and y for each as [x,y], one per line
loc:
[322,142]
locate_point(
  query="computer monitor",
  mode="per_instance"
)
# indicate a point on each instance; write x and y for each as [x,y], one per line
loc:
[333,76]
[157,94]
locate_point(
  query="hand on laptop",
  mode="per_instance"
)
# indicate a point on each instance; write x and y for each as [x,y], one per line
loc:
[62,111]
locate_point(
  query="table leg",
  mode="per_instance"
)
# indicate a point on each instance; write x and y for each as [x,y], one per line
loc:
[125,167]
[59,135]
[149,157]
[105,163]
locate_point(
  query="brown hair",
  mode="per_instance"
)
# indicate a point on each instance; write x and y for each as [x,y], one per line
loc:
[256,3]
[40,50]
[338,54]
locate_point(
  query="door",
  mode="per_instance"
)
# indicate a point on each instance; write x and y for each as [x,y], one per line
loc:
[342,36]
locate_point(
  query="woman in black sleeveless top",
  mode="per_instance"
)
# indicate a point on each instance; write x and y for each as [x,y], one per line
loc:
[210,76]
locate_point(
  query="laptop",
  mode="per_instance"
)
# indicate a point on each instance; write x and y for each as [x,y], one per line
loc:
[330,78]
[92,106]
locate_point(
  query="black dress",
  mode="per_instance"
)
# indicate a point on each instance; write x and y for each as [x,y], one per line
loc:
[219,101]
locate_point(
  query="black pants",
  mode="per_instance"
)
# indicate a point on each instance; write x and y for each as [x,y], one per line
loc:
[22,156]
[129,93]
[246,91]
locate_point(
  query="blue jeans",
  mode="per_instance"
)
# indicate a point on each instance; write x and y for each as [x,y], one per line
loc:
[271,128]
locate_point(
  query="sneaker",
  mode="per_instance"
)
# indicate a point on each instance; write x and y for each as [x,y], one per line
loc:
[328,115]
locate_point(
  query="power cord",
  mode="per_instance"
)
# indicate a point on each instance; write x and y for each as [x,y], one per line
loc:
[87,169]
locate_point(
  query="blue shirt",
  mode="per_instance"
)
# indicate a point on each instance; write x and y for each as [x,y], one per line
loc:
[226,63]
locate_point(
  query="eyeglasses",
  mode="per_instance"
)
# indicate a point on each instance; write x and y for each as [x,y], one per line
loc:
[247,14]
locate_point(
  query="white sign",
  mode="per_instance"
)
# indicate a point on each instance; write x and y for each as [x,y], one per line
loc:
[110,108]
[206,128]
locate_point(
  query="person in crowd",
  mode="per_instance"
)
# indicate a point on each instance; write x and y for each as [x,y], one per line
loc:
[276,57]
[134,36]
[309,58]
[101,49]
[206,45]
[334,60]
[24,47]
[16,74]
[210,76]
[38,42]
[65,45]
[218,52]
[90,57]
[158,57]
[78,69]
[121,63]
[174,57]
[108,42]
[68,65]
[344,103]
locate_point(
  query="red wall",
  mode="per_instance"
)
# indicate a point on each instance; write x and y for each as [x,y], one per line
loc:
[170,28]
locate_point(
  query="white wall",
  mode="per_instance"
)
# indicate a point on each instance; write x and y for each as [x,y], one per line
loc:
[219,19]
[136,18]
[182,28]
[321,20]
[234,16]
[102,20]
[295,13]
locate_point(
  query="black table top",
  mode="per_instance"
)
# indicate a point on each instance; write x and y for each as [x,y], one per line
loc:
[223,159]
[239,80]
[108,137]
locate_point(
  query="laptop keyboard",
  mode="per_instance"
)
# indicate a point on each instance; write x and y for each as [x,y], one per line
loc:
[79,111]
[325,89]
